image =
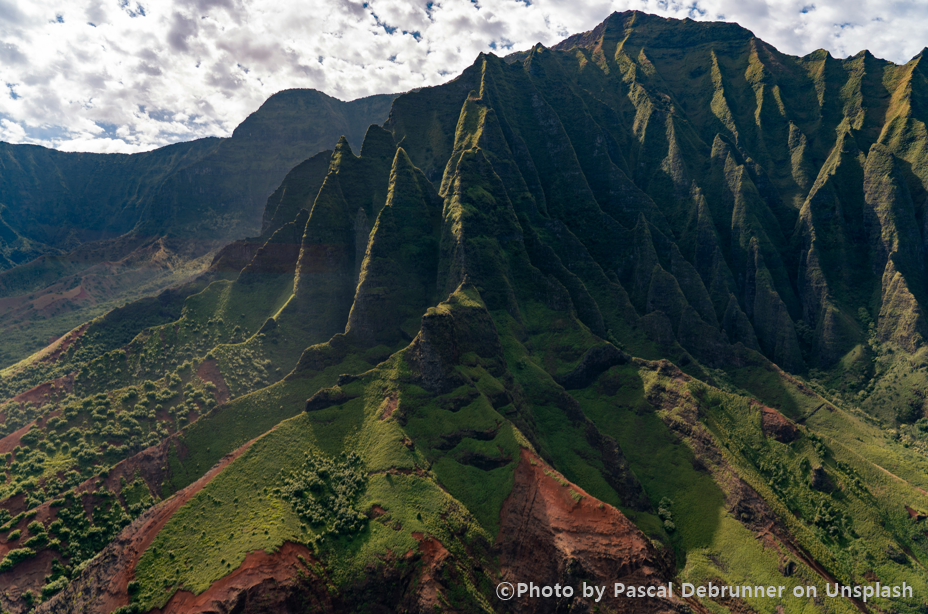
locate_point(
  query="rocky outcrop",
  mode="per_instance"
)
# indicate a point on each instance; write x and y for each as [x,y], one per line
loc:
[296,192]
[594,362]
[327,397]
[777,426]
[820,480]
[552,531]
[459,325]
[279,255]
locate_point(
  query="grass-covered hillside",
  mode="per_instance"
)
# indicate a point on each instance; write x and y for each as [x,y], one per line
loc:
[644,307]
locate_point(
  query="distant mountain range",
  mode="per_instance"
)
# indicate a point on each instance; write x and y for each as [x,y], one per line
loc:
[647,306]
[81,232]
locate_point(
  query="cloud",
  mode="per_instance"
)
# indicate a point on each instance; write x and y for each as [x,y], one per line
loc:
[128,75]
[11,131]
[182,28]
[10,54]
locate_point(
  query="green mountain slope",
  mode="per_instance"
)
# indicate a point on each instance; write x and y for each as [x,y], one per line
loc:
[644,307]
[61,200]
[82,233]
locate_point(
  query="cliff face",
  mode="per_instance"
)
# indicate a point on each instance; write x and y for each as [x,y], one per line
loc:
[739,172]
[551,324]
[554,533]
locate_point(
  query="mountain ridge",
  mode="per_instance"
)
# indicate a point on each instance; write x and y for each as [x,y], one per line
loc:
[596,314]
[146,221]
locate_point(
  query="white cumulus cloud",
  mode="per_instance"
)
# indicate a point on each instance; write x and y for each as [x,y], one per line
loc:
[131,75]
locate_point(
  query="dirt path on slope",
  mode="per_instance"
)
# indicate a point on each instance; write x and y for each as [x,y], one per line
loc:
[103,585]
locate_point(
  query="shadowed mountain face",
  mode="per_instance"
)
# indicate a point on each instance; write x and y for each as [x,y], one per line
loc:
[81,233]
[211,189]
[643,307]
[729,189]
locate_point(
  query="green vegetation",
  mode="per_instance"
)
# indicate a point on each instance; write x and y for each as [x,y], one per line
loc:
[322,493]
[681,271]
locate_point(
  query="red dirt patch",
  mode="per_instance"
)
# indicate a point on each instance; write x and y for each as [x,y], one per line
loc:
[914,514]
[12,440]
[389,406]
[258,568]
[547,521]
[434,555]
[27,575]
[43,393]
[777,426]
[209,371]
[103,586]
[54,350]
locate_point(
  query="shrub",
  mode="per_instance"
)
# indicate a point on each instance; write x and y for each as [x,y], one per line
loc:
[31,437]
[664,511]
[54,586]
[323,492]
[15,556]
[36,541]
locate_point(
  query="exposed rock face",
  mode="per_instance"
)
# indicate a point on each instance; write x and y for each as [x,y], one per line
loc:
[279,254]
[552,531]
[326,398]
[456,327]
[594,362]
[820,480]
[297,191]
[236,255]
[280,582]
[777,426]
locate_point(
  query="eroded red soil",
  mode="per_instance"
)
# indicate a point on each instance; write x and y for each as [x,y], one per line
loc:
[103,585]
[433,556]
[553,531]
[44,393]
[388,407]
[56,349]
[777,426]
[208,371]
[246,586]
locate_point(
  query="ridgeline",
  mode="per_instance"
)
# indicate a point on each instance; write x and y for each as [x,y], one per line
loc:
[645,306]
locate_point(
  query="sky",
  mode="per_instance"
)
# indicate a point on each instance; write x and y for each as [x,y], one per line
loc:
[122,76]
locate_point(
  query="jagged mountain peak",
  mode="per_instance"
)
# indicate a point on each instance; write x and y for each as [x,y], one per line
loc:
[613,312]
[640,29]
[378,143]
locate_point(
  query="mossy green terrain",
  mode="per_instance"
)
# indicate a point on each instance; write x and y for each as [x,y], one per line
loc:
[657,290]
